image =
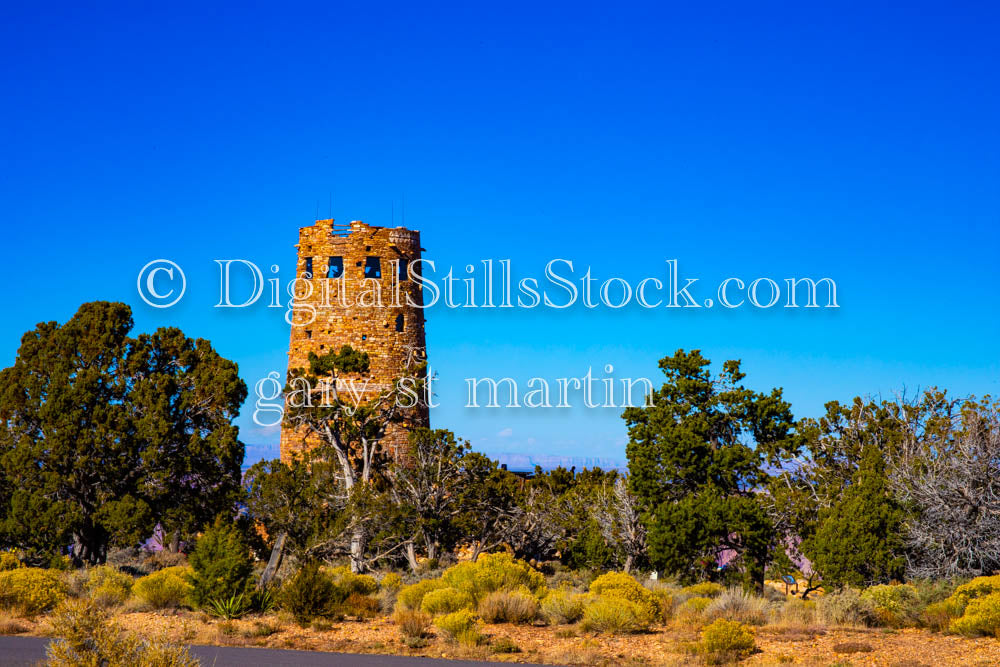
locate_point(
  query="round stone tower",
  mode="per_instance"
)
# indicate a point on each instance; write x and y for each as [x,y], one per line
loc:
[373,314]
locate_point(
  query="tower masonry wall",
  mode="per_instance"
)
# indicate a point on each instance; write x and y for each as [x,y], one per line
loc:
[371,260]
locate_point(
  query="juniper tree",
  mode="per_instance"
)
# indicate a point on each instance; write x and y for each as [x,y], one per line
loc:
[697,458]
[104,435]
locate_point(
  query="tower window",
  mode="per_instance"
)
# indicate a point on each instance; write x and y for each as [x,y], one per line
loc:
[403,266]
[309,334]
[309,268]
[373,267]
[400,322]
[335,268]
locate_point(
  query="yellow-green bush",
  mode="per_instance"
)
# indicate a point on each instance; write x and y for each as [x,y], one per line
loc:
[977,588]
[665,598]
[108,586]
[166,588]
[86,637]
[895,605]
[981,617]
[938,616]
[9,561]
[31,590]
[446,601]
[624,586]
[518,606]
[457,623]
[706,589]
[391,582]
[694,606]
[728,637]
[615,615]
[562,606]
[412,596]
[493,572]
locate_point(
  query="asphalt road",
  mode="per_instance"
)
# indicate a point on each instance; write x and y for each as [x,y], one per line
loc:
[30,651]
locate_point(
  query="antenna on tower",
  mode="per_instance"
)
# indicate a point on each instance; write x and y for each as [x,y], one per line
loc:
[403,197]
[394,213]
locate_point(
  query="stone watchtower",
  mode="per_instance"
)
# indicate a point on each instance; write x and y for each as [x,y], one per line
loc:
[365,262]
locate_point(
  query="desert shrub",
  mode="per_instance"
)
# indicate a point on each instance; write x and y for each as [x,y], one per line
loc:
[615,615]
[349,582]
[981,617]
[976,588]
[937,616]
[309,593]
[493,572]
[504,645]
[31,590]
[693,607]
[221,566]
[412,596]
[895,606]
[361,606]
[87,638]
[728,638]
[706,589]
[161,560]
[412,624]
[10,626]
[164,589]
[846,607]
[446,601]
[930,591]
[108,586]
[457,623]
[508,607]
[562,606]
[9,561]
[735,604]
[391,581]
[624,586]
[796,611]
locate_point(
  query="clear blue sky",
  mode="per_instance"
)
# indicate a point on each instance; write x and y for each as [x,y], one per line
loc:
[746,139]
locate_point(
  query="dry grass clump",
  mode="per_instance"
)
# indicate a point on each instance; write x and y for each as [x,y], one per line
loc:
[562,607]
[412,624]
[12,626]
[846,607]
[508,607]
[735,604]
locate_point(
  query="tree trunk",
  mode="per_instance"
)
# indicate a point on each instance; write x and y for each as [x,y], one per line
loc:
[175,541]
[628,564]
[357,551]
[274,562]
[411,556]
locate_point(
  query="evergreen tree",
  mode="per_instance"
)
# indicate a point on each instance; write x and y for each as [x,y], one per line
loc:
[859,539]
[696,465]
[222,564]
[105,435]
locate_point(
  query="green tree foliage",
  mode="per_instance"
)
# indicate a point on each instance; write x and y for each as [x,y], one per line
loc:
[221,564]
[106,434]
[302,500]
[859,539]
[696,462]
